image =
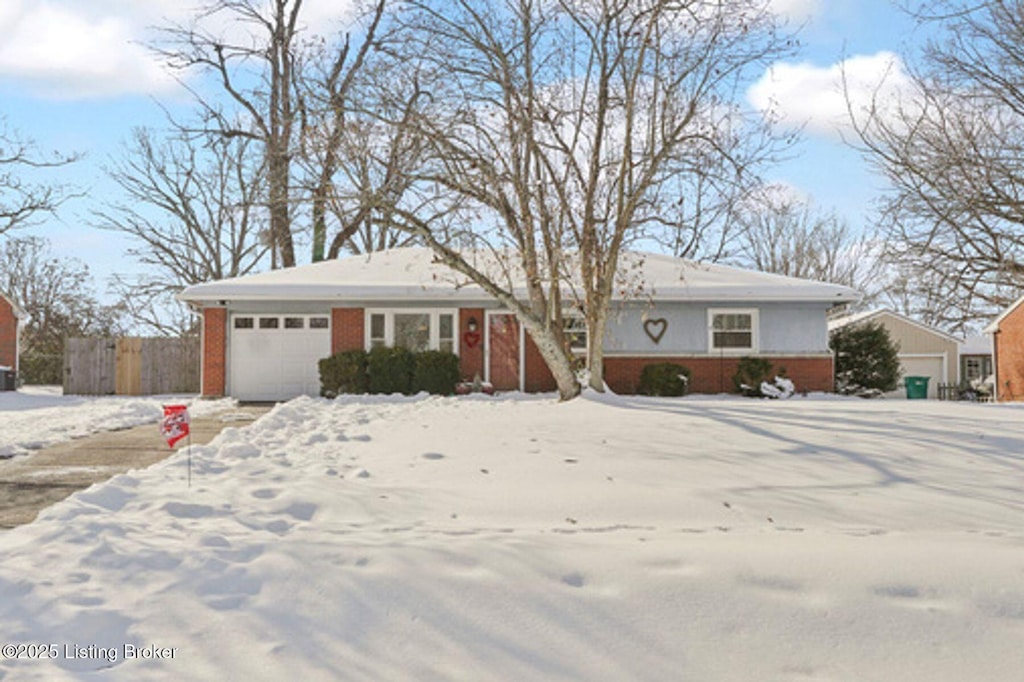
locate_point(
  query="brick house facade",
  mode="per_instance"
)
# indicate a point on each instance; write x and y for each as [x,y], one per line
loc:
[262,330]
[10,320]
[1007,332]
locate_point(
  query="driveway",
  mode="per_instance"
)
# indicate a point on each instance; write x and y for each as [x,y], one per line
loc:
[30,484]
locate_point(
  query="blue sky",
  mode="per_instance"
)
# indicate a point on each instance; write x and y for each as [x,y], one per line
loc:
[74,76]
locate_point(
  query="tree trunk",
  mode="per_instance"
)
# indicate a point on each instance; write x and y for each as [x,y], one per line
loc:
[556,358]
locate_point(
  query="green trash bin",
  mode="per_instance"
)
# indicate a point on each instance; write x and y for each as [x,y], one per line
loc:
[917,387]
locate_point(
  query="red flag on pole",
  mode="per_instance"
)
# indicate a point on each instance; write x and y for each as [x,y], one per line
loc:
[174,427]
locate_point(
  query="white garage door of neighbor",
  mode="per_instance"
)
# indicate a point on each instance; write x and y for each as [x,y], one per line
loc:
[274,357]
[930,367]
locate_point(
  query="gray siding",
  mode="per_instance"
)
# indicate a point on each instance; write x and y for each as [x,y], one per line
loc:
[783,327]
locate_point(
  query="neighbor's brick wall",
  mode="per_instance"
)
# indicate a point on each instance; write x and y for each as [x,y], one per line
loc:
[714,375]
[347,329]
[8,335]
[1009,356]
[471,358]
[215,330]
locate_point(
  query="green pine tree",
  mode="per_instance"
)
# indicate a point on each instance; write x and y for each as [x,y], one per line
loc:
[867,362]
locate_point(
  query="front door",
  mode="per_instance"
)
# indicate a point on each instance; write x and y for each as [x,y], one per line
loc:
[503,344]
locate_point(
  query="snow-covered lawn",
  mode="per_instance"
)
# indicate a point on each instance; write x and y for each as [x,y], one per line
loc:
[38,416]
[521,539]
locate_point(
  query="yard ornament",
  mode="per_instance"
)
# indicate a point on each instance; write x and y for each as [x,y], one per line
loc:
[174,427]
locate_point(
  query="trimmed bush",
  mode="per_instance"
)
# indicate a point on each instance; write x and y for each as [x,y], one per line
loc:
[41,369]
[391,370]
[436,372]
[344,372]
[751,372]
[664,379]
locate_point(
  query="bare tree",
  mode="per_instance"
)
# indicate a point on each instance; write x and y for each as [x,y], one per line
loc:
[283,90]
[953,152]
[192,207]
[781,235]
[58,295]
[556,132]
[21,201]
[256,70]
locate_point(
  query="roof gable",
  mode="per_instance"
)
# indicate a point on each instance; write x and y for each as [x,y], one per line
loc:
[870,315]
[993,326]
[414,272]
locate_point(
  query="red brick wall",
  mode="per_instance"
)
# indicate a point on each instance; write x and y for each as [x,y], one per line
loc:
[538,377]
[347,329]
[714,375]
[215,330]
[471,344]
[8,335]
[1009,356]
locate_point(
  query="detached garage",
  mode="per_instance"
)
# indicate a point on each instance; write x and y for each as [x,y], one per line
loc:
[923,351]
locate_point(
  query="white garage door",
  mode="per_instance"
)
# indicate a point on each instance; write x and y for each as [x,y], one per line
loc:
[930,367]
[274,357]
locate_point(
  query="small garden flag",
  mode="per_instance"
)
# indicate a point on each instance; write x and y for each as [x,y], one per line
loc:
[174,427]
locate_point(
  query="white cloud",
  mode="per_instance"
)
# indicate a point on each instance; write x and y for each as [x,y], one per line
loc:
[72,49]
[796,11]
[807,95]
[63,51]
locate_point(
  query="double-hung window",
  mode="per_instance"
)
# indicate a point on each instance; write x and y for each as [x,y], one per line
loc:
[417,330]
[574,325]
[732,330]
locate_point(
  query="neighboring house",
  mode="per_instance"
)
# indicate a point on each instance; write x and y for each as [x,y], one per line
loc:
[11,317]
[976,365]
[923,350]
[1007,333]
[263,333]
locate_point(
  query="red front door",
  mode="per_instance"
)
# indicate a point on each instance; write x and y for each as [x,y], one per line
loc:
[503,349]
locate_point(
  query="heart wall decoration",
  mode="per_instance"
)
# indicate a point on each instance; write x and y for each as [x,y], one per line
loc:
[656,328]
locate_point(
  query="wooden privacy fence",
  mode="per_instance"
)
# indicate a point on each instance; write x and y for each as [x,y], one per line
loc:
[131,366]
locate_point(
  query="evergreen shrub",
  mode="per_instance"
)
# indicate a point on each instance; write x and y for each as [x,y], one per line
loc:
[751,372]
[866,360]
[664,379]
[436,372]
[391,370]
[344,372]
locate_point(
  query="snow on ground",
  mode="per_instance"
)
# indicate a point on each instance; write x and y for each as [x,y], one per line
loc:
[35,417]
[611,538]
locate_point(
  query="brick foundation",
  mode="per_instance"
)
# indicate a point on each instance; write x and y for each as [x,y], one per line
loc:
[714,375]
[215,330]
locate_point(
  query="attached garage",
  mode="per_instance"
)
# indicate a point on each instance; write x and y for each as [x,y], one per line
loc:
[274,357]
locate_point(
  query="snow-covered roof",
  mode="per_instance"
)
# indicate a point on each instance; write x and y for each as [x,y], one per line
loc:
[415,273]
[978,344]
[855,318]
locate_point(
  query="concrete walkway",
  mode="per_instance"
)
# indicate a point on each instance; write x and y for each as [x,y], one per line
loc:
[30,484]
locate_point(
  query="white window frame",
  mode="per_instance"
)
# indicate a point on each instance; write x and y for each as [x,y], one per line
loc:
[755,324]
[577,315]
[389,325]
